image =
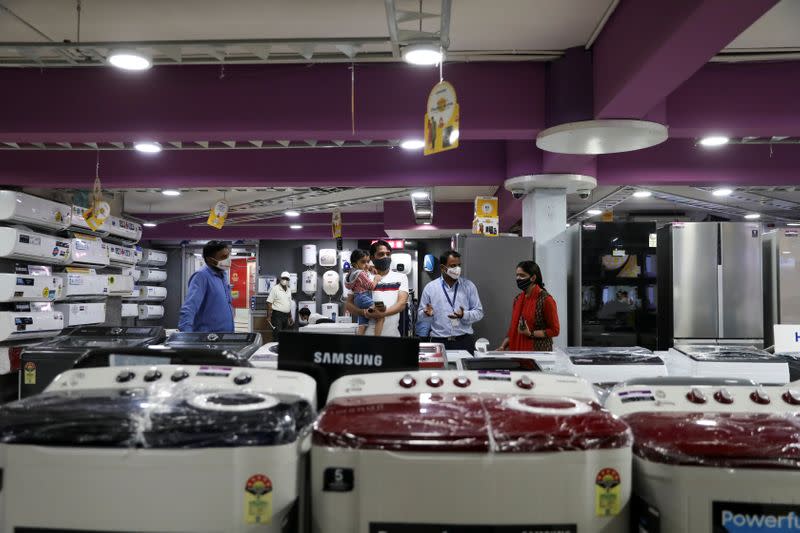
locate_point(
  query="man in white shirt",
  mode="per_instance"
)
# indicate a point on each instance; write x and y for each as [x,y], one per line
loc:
[392,291]
[279,305]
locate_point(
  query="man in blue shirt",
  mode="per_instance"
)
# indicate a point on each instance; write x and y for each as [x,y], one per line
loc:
[208,305]
[449,306]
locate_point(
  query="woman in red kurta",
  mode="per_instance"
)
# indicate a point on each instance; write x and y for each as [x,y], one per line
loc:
[534,318]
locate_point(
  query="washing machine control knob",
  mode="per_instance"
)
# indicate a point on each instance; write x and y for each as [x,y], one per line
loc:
[407,381]
[462,381]
[760,396]
[243,379]
[723,396]
[125,376]
[152,375]
[792,397]
[435,381]
[525,383]
[696,396]
[179,375]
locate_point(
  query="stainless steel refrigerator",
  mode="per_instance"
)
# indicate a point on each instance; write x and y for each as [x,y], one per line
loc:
[710,284]
[781,280]
[490,263]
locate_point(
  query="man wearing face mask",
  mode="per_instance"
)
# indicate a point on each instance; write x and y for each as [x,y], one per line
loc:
[279,305]
[208,306]
[449,306]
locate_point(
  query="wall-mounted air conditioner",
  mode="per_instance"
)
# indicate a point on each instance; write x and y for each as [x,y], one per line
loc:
[27,288]
[152,294]
[153,257]
[150,312]
[124,229]
[88,250]
[83,285]
[152,275]
[38,322]
[82,314]
[78,223]
[22,243]
[32,210]
[120,255]
[136,273]
[119,284]
[130,310]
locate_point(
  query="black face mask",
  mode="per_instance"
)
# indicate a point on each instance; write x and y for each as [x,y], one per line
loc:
[524,283]
[382,264]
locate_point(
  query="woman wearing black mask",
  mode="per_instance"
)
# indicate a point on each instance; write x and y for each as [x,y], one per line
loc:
[534,318]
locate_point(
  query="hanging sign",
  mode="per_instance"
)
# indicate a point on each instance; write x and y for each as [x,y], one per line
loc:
[99,210]
[218,214]
[336,224]
[487,219]
[441,119]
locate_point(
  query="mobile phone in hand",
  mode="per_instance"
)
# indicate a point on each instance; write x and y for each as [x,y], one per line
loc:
[380,306]
[522,325]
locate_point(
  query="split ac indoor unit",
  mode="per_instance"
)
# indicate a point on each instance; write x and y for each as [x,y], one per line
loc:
[32,210]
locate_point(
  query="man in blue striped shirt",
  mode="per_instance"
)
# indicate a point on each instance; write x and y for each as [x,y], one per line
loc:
[449,306]
[208,305]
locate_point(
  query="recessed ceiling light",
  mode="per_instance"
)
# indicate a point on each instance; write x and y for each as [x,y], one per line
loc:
[642,194]
[149,224]
[426,223]
[752,216]
[412,144]
[419,194]
[793,223]
[423,54]
[714,140]
[292,213]
[594,212]
[296,226]
[724,191]
[147,147]
[171,192]
[423,212]
[129,60]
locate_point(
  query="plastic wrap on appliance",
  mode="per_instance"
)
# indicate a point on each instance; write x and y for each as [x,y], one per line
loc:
[720,440]
[166,416]
[717,352]
[616,355]
[500,423]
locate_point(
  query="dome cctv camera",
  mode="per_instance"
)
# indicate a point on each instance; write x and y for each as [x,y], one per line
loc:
[584,194]
[518,194]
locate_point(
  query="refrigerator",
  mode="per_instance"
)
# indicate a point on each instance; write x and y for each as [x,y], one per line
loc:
[710,287]
[490,263]
[781,280]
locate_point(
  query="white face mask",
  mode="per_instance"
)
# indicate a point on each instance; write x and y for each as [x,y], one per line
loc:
[225,264]
[454,272]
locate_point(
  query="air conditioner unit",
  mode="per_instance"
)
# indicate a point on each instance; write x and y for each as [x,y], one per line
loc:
[78,223]
[152,275]
[153,257]
[88,250]
[27,288]
[119,284]
[22,243]
[82,314]
[130,310]
[152,294]
[32,210]
[83,285]
[120,255]
[36,323]
[150,312]
[123,229]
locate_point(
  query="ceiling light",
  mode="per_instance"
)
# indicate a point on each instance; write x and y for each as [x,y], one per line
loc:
[423,54]
[594,212]
[412,144]
[296,226]
[129,60]
[171,192]
[149,224]
[642,194]
[421,195]
[147,147]
[426,223]
[714,140]
[292,213]
[752,216]
[422,212]
[724,191]
[793,223]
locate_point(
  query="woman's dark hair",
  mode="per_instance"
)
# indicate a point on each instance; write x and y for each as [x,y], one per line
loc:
[532,269]
[212,247]
[356,256]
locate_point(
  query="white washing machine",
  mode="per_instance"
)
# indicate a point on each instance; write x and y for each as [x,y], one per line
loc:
[163,448]
[434,451]
[266,356]
[712,455]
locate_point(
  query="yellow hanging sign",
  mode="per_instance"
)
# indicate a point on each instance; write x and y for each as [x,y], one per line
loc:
[336,224]
[487,220]
[99,210]
[218,214]
[441,119]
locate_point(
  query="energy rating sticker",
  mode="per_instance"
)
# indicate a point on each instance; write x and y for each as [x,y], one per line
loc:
[30,373]
[258,500]
[607,489]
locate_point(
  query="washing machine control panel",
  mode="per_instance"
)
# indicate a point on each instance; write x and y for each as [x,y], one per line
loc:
[732,397]
[460,382]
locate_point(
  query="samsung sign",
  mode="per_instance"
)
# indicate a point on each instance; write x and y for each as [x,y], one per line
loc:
[348,359]
[738,517]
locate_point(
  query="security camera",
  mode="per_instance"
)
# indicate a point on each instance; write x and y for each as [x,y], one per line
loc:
[584,193]
[518,194]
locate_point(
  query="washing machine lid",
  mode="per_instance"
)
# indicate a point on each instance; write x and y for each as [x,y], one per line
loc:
[727,354]
[612,356]
[480,423]
[719,440]
[242,344]
[83,338]
[157,355]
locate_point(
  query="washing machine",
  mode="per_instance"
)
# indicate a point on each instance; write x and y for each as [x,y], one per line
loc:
[432,355]
[732,361]
[266,356]
[468,451]
[716,455]
[44,361]
[335,328]
[241,344]
[554,362]
[162,448]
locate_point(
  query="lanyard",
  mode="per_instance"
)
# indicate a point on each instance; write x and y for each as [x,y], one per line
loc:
[455,295]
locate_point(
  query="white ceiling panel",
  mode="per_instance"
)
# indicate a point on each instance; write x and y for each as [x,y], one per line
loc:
[778,28]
